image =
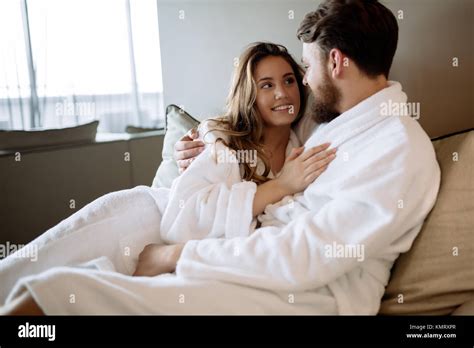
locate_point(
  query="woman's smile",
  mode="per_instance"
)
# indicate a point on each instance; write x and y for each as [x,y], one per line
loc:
[288,108]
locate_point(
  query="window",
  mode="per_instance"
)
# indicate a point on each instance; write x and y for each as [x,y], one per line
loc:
[14,81]
[95,60]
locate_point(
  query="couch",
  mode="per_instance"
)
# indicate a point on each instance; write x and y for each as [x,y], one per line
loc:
[42,185]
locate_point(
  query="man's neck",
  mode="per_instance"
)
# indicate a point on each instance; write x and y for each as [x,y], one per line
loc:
[356,92]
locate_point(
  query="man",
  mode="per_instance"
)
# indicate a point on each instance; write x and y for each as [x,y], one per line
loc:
[335,252]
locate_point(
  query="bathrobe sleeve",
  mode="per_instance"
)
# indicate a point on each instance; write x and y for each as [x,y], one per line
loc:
[378,200]
[209,200]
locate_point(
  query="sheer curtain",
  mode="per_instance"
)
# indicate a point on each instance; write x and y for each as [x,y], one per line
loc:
[92,60]
[14,81]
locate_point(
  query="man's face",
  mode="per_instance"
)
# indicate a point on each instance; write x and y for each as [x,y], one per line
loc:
[326,94]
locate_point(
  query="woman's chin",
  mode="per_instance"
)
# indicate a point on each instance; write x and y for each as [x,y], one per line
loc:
[280,123]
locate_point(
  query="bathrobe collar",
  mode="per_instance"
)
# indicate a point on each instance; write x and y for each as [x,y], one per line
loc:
[360,117]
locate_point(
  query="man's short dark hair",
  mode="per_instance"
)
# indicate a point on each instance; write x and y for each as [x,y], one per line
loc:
[364,30]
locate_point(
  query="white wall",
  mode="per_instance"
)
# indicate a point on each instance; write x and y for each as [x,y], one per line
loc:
[198,51]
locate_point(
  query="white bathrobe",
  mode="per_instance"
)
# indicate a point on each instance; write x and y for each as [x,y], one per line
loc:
[210,199]
[374,196]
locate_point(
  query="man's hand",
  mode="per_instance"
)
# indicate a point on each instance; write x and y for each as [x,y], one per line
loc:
[156,259]
[187,148]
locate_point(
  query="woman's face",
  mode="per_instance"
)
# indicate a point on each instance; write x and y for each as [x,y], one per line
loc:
[278,95]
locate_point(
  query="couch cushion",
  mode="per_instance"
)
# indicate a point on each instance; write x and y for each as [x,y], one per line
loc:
[19,139]
[467,308]
[178,123]
[437,275]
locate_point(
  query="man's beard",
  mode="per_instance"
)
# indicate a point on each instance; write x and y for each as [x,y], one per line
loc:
[324,107]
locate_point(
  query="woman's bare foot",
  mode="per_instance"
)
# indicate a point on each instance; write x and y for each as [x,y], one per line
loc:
[22,305]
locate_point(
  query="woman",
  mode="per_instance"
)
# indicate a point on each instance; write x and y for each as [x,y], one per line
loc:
[252,159]
[246,148]
[220,195]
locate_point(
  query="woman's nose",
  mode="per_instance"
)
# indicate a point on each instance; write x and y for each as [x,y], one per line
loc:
[280,93]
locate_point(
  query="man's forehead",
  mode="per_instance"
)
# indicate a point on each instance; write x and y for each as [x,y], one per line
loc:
[310,51]
[307,50]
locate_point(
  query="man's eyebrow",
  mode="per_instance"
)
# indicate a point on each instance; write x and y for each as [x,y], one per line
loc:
[271,78]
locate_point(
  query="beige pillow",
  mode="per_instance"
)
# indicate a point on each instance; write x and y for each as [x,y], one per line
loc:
[178,123]
[437,275]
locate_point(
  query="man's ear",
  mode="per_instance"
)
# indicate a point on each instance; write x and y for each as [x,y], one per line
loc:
[336,61]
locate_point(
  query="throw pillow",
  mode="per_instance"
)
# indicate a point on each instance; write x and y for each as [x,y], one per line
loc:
[178,123]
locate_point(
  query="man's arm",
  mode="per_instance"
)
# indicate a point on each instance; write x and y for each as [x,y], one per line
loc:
[187,148]
[364,212]
[289,258]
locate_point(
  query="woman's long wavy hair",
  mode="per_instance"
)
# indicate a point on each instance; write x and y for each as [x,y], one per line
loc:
[241,122]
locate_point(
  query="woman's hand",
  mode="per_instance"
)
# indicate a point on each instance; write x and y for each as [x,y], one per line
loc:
[301,169]
[156,259]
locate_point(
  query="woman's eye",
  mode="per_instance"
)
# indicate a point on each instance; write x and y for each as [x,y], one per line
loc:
[290,81]
[267,85]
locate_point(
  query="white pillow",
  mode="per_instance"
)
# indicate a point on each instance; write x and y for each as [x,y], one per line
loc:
[178,123]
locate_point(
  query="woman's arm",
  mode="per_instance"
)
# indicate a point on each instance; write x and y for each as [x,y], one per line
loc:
[267,193]
[299,171]
[208,200]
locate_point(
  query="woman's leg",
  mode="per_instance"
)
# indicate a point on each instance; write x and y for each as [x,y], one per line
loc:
[22,305]
[117,226]
[69,291]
